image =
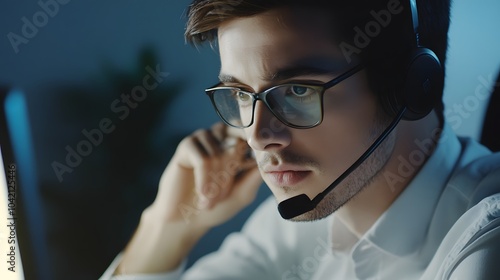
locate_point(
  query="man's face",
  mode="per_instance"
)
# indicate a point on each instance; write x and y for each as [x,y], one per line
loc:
[283,46]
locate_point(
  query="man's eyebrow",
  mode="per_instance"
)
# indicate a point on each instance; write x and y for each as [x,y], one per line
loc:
[304,67]
[310,66]
[296,71]
[226,78]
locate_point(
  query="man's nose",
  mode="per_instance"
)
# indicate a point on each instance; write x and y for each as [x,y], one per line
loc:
[267,132]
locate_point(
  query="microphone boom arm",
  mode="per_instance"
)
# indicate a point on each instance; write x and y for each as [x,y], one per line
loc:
[298,205]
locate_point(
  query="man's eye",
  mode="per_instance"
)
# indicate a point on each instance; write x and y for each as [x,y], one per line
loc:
[243,97]
[301,90]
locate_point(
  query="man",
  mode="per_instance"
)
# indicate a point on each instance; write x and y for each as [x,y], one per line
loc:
[332,77]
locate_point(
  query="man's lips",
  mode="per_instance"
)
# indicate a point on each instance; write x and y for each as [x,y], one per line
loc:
[287,177]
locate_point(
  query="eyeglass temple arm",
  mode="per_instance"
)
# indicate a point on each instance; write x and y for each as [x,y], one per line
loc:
[344,76]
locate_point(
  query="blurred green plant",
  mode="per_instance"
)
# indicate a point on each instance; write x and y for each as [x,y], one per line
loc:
[95,209]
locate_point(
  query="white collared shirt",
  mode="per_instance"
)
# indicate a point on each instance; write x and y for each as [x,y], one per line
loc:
[444,225]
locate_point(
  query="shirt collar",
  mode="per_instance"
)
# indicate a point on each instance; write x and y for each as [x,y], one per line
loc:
[401,229]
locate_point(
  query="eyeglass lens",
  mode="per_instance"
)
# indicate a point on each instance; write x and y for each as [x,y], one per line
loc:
[298,105]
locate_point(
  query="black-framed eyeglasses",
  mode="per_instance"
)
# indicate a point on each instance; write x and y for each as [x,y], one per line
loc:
[296,105]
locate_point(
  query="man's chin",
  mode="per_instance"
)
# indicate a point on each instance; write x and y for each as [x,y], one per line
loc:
[313,215]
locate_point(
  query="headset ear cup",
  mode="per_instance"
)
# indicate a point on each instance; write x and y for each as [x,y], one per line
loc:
[423,84]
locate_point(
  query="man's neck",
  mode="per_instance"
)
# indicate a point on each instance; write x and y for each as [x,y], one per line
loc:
[366,207]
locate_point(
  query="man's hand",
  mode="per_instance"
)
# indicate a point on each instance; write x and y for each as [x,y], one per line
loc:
[211,177]
[221,178]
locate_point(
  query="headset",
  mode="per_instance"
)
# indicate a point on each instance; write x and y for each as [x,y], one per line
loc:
[415,99]
[424,79]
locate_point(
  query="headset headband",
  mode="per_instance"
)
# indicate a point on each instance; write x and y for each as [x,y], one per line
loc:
[414,17]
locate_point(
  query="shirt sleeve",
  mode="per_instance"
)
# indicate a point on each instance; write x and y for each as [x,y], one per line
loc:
[262,250]
[480,260]
[476,251]
[108,274]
